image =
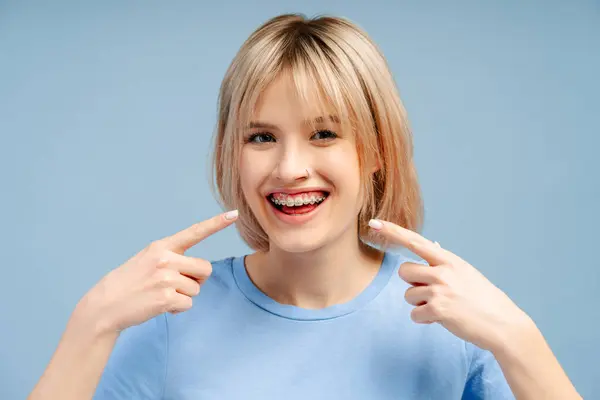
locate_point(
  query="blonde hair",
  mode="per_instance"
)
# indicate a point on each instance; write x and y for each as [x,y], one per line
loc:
[335,58]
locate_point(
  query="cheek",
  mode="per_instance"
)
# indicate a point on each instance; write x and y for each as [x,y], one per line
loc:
[246,176]
[253,168]
[341,167]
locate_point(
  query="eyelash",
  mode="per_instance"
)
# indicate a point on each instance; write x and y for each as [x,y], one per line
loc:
[252,137]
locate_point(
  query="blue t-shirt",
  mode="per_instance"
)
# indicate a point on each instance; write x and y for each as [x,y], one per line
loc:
[238,343]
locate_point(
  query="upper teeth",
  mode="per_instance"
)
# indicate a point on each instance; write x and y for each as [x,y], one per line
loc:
[295,201]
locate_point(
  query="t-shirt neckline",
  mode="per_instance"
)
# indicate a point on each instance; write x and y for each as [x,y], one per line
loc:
[260,299]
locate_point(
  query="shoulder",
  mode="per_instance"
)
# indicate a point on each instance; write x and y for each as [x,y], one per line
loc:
[223,278]
[433,340]
[223,262]
[220,265]
[136,367]
[397,258]
[223,269]
[394,260]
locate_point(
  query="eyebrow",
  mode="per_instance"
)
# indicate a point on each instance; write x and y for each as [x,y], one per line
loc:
[317,120]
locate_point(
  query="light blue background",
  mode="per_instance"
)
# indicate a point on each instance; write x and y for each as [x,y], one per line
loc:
[106,113]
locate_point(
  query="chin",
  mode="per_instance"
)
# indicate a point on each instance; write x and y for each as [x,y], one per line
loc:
[298,243]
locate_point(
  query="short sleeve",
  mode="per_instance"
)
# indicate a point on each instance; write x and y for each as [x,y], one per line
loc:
[485,379]
[136,368]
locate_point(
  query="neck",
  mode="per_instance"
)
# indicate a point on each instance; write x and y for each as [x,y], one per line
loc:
[332,274]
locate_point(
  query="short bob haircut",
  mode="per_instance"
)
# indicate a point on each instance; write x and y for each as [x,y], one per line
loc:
[336,60]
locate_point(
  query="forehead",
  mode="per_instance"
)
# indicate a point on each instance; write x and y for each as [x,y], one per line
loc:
[284,99]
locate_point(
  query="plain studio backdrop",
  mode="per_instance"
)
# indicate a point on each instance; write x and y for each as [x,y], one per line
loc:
[107,109]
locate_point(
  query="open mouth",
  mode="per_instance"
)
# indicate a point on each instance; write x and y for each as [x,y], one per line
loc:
[298,204]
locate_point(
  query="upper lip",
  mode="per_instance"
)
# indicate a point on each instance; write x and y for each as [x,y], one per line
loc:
[298,190]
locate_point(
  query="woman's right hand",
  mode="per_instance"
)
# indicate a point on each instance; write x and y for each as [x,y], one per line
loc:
[158,279]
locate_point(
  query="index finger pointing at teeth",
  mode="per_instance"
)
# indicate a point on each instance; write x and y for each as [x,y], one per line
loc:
[424,248]
[183,240]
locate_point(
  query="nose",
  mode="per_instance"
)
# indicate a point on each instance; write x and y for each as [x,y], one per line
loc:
[292,165]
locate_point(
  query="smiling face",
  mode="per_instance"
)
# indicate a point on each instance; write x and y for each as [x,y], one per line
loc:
[339,59]
[300,180]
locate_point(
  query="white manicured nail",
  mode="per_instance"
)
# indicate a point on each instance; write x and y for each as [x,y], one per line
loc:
[375,224]
[233,214]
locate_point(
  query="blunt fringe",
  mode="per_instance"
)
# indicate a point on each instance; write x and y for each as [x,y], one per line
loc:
[336,60]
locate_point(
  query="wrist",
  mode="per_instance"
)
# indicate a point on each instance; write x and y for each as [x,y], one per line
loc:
[516,338]
[88,322]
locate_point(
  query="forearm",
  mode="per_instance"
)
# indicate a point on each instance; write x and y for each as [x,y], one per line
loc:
[531,369]
[77,364]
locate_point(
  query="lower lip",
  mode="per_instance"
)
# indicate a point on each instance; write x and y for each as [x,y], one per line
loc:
[296,219]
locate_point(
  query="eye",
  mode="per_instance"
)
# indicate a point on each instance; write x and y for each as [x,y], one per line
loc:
[260,137]
[325,134]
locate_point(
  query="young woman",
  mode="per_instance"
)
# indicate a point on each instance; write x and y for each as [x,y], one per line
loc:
[313,154]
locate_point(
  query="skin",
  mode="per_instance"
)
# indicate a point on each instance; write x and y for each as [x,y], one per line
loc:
[453,293]
[312,266]
[158,279]
[321,262]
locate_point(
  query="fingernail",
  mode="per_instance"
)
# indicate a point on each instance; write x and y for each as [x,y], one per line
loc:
[376,224]
[233,214]
[437,244]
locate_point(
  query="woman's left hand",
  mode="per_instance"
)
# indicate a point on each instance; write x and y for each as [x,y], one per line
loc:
[455,294]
